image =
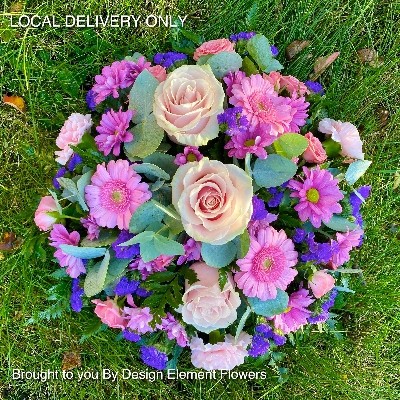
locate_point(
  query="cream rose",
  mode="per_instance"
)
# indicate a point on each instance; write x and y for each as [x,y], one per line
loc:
[213,199]
[205,306]
[187,103]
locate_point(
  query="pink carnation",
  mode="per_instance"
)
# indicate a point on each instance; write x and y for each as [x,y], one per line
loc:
[174,330]
[138,319]
[58,236]
[287,82]
[296,314]
[148,268]
[318,195]
[321,283]
[347,241]
[220,356]
[231,79]
[314,153]
[92,227]
[71,133]
[267,265]
[116,191]
[109,313]
[42,218]
[298,112]
[213,47]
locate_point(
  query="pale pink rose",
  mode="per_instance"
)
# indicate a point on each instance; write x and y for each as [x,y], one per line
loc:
[71,133]
[292,85]
[158,72]
[321,283]
[187,103]
[213,47]
[205,306]
[213,199]
[109,313]
[220,356]
[42,219]
[344,133]
[314,153]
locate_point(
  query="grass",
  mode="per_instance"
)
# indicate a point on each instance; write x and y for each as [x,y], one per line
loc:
[52,68]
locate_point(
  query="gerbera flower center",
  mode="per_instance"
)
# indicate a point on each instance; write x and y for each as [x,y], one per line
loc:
[250,142]
[269,264]
[115,196]
[191,157]
[312,195]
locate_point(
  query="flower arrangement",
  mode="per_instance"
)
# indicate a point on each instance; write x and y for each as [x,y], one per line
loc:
[205,204]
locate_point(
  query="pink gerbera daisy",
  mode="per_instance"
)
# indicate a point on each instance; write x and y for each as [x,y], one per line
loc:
[296,314]
[319,196]
[113,130]
[58,236]
[267,265]
[115,193]
[262,106]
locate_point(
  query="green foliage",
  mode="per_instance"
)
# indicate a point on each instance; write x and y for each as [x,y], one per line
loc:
[87,150]
[151,171]
[341,224]
[146,214]
[96,277]
[85,253]
[260,50]
[290,145]
[219,256]
[268,308]
[273,171]
[223,63]
[356,170]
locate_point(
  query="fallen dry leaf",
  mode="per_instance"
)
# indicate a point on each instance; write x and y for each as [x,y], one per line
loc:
[15,101]
[71,360]
[383,115]
[16,7]
[396,183]
[9,241]
[367,56]
[322,63]
[295,48]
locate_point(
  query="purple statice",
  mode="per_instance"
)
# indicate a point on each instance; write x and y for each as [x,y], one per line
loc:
[233,121]
[326,306]
[299,235]
[248,142]
[319,253]
[76,296]
[276,199]
[279,340]
[259,346]
[153,357]
[190,154]
[75,160]
[92,227]
[113,130]
[192,252]
[174,330]
[356,202]
[127,334]
[259,210]
[90,100]
[168,59]
[125,287]
[274,50]
[315,87]
[59,174]
[241,36]
[141,292]
[125,251]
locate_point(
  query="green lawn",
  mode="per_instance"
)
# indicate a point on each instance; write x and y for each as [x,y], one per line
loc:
[53,68]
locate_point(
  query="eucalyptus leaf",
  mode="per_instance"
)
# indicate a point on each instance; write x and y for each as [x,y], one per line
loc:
[242,322]
[356,170]
[162,160]
[141,96]
[151,169]
[224,62]
[96,276]
[290,145]
[85,253]
[145,214]
[116,270]
[219,256]
[341,224]
[147,136]
[273,171]
[269,308]
[82,182]
[260,50]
